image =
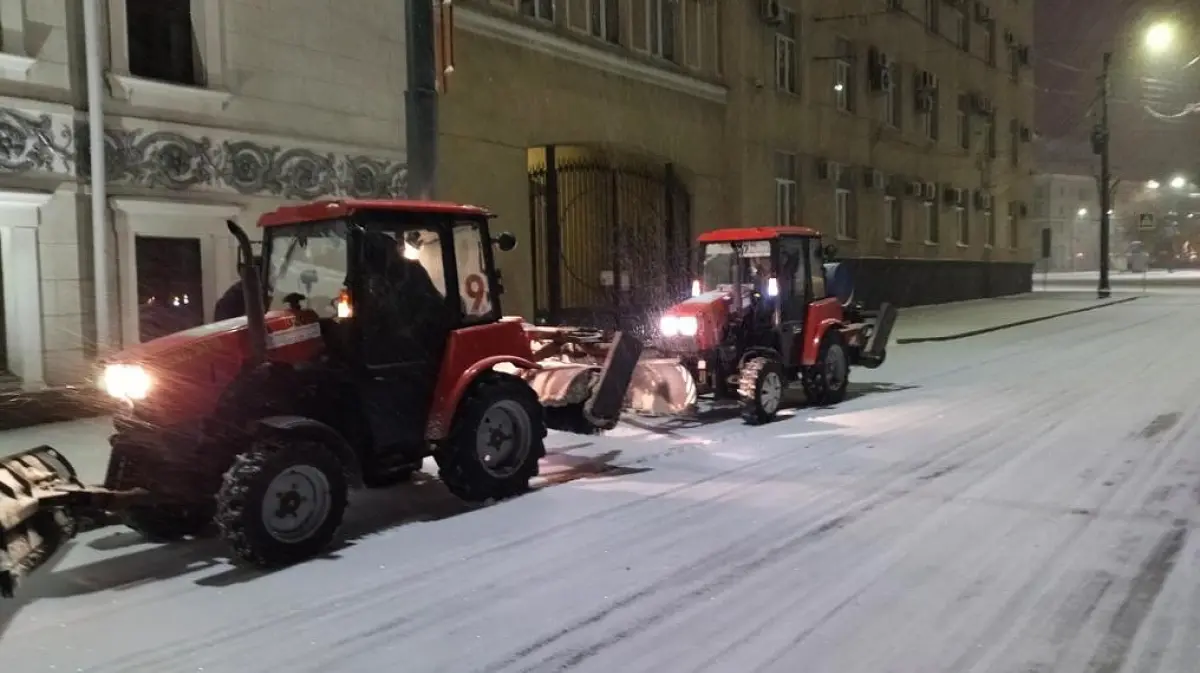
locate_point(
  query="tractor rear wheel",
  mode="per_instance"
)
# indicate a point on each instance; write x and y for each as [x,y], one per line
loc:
[761,387]
[282,504]
[168,523]
[826,382]
[496,442]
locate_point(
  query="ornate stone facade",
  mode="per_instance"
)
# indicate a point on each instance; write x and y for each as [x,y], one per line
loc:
[174,160]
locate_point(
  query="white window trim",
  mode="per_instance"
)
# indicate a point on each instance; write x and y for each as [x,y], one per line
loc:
[212,99]
[695,59]
[516,5]
[889,204]
[890,118]
[991,229]
[662,20]
[962,222]
[963,128]
[843,76]
[20,216]
[1011,233]
[173,219]
[843,223]
[931,218]
[15,64]
[782,192]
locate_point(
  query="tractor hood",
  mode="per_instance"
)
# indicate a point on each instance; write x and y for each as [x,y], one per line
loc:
[191,368]
[698,321]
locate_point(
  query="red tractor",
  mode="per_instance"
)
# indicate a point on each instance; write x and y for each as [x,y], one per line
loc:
[384,343]
[764,312]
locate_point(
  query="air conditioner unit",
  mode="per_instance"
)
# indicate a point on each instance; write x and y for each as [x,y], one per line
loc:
[1023,55]
[874,179]
[879,70]
[1023,209]
[826,170]
[914,189]
[771,12]
[980,104]
[983,200]
[1010,39]
[1026,134]
[952,196]
[983,13]
[895,5]
[929,192]
[928,81]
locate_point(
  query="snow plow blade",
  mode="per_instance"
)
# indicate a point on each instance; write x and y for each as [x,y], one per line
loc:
[34,523]
[662,387]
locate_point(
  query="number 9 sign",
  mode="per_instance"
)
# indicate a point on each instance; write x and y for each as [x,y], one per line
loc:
[476,291]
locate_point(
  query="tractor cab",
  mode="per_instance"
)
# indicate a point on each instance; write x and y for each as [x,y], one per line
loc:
[387,284]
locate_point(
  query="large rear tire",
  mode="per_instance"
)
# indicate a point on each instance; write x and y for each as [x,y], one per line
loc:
[496,442]
[827,381]
[282,504]
[168,523]
[761,388]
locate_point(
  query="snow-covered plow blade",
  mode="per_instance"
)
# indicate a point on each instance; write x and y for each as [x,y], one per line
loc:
[662,387]
[34,522]
[584,377]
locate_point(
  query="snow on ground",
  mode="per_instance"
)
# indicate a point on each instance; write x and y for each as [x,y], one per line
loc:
[1019,501]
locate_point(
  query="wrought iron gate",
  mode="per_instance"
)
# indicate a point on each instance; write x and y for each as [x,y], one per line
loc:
[610,241]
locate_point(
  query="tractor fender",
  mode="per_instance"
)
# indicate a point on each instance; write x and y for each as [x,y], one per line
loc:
[812,347]
[299,426]
[441,416]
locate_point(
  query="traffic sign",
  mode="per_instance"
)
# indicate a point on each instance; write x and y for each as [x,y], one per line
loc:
[1146,222]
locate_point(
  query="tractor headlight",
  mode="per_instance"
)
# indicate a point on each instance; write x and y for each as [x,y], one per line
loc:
[126,382]
[672,325]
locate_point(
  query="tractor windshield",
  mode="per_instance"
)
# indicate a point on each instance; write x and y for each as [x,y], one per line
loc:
[307,265]
[725,262]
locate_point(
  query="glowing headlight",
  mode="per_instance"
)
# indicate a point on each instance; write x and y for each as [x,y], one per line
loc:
[671,325]
[127,382]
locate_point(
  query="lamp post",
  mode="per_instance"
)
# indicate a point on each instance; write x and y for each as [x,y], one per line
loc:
[1100,142]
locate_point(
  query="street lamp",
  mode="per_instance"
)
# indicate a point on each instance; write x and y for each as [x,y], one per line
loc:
[1082,212]
[1153,184]
[1178,182]
[1160,37]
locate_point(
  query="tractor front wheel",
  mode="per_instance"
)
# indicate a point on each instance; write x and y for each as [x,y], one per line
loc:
[497,439]
[761,387]
[282,504]
[168,523]
[826,382]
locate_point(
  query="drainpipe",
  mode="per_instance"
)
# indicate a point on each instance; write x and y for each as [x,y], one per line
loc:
[95,97]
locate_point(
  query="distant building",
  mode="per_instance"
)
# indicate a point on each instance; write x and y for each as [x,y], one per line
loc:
[1068,207]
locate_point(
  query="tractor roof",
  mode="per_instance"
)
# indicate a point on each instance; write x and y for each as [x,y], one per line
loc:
[327,209]
[755,234]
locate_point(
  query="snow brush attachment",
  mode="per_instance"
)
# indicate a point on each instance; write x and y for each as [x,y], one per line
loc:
[662,387]
[34,485]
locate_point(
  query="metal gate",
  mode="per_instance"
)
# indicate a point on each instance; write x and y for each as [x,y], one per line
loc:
[610,241]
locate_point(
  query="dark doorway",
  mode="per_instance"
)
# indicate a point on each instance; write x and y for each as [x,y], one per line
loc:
[170,286]
[611,237]
[162,42]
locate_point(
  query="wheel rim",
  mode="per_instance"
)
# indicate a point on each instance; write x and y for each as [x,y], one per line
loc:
[296,503]
[835,367]
[503,438]
[770,392]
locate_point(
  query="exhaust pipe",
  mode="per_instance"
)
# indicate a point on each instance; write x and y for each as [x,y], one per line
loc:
[256,321]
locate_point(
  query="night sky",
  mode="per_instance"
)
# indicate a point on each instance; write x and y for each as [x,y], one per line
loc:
[1070,37]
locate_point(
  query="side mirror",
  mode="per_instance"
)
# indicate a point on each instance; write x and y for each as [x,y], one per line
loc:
[829,252]
[506,242]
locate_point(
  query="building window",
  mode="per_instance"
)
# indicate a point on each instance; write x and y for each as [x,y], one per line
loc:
[162,42]
[989,42]
[843,77]
[929,119]
[543,10]
[661,20]
[604,20]
[786,60]
[931,15]
[962,29]
[989,219]
[1014,142]
[843,208]
[893,212]
[963,221]
[1014,63]
[693,32]
[932,233]
[1012,225]
[989,135]
[964,121]
[893,107]
[786,191]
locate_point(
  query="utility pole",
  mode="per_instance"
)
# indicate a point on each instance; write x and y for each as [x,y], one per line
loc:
[1100,143]
[420,100]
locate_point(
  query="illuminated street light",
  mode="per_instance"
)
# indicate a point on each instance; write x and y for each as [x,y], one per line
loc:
[1160,37]
[1153,184]
[1082,212]
[1178,182]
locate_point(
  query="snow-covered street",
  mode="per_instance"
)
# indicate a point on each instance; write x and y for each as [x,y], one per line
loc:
[1020,501]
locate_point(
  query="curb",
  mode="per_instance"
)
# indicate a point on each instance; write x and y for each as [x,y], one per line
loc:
[1008,325]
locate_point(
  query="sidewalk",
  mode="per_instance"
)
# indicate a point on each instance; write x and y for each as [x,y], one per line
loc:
[945,322]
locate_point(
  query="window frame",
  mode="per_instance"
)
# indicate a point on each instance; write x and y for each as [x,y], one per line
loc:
[893,101]
[893,209]
[787,189]
[787,40]
[962,222]
[843,213]
[933,225]
[536,9]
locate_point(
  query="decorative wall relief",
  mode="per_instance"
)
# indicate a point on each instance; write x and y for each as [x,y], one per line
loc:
[30,143]
[175,161]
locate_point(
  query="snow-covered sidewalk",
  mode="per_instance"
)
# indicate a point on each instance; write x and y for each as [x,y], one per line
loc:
[960,319]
